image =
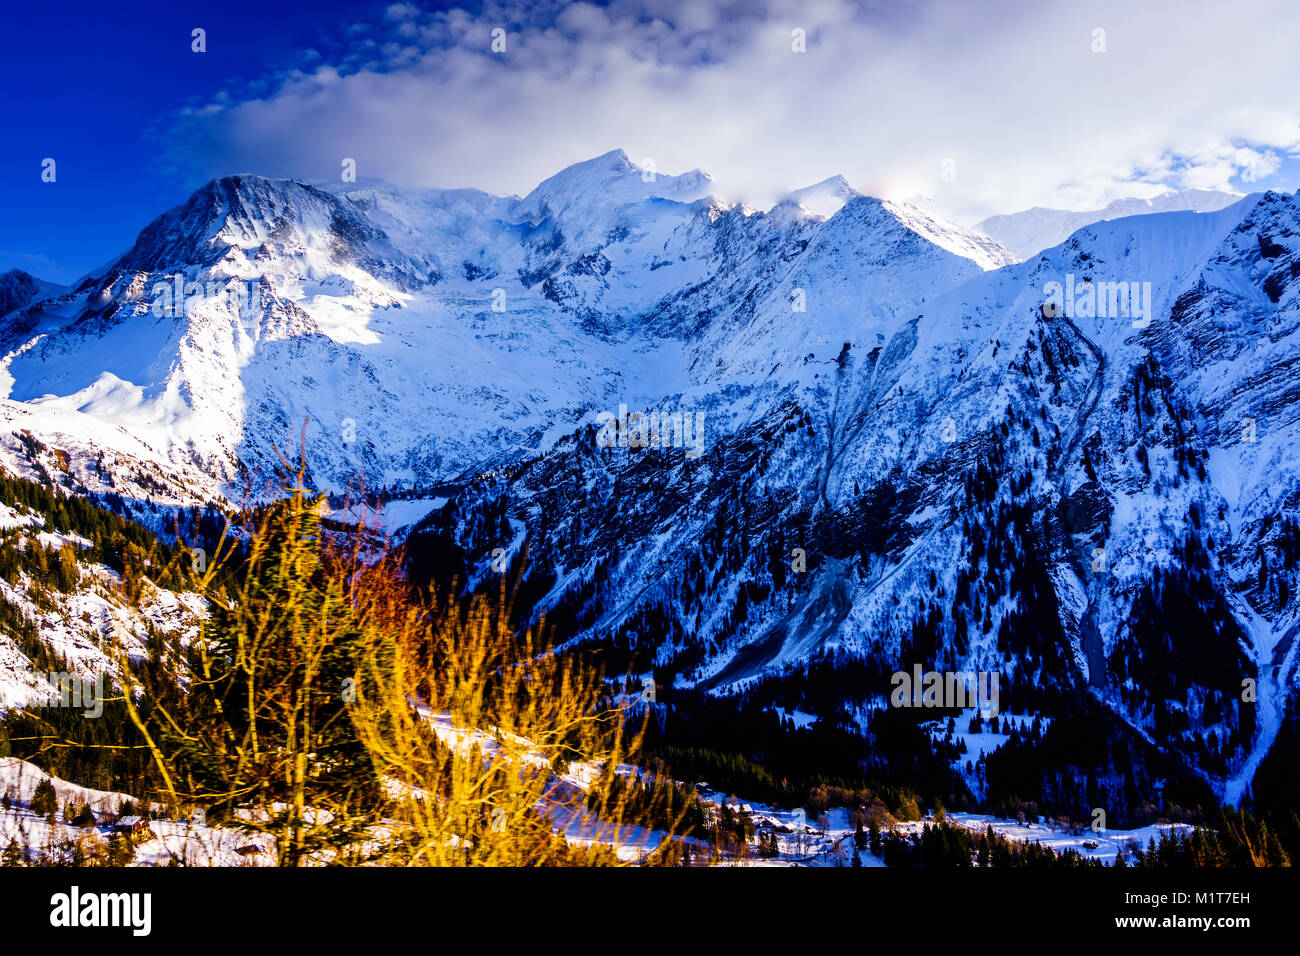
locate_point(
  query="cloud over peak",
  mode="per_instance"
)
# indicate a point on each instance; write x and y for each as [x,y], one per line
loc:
[986,110]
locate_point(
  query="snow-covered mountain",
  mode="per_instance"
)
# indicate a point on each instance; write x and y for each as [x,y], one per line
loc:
[825,198]
[1030,231]
[873,440]
[504,320]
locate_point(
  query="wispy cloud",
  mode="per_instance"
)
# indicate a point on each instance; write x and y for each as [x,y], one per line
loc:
[984,107]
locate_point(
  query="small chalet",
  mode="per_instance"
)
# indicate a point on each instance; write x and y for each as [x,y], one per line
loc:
[131,825]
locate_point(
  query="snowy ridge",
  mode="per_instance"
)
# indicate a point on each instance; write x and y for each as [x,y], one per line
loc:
[1031,231]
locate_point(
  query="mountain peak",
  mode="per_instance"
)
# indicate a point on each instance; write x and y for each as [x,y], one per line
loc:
[248,220]
[861,212]
[607,181]
[615,158]
[16,275]
[19,288]
[826,197]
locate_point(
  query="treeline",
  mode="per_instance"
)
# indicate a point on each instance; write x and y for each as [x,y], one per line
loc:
[1234,839]
[655,802]
[120,543]
[945,844]
[105,753]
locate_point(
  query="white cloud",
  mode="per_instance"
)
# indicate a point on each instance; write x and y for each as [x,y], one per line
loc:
[1186,94]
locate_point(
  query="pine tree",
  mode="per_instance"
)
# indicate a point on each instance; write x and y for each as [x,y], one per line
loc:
[298,707]
[44,800]
[13,855]
[271,724]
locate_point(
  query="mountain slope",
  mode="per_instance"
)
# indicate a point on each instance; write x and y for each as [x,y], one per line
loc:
[849,444]
[973,485]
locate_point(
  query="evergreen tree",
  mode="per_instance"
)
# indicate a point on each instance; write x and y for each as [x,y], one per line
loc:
[13,855]
[45,801]
[271,723]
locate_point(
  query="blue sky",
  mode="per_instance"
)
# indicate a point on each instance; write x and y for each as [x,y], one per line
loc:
[94,85]
[979,107]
